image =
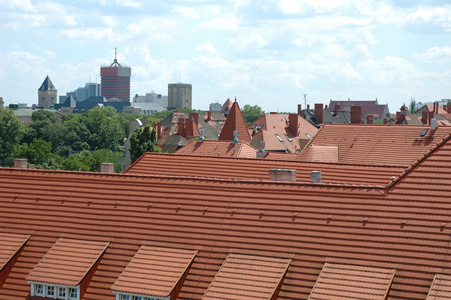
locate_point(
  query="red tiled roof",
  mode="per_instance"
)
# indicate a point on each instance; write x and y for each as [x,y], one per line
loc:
[227,104]
[398,145]
[321,153]
[258,169]
[292,140]
[10,244]
[67,262]
[441,288]
[154,271]
[404,226]
[235,121]
[338,281]
[247,277]
[218,148]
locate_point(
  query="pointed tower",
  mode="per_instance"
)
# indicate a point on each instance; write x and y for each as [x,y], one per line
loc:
[47,94]
[235,122]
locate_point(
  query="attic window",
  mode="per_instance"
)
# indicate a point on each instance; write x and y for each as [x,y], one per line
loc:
[423,133]
[278,137]
[288,138]
[260,127]
[253,126]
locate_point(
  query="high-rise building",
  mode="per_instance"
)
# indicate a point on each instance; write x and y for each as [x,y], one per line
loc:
[47,94]
[83,93]
[180,95]
[115,81]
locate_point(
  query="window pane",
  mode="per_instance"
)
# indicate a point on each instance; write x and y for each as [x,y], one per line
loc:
[39,289]
[50,290]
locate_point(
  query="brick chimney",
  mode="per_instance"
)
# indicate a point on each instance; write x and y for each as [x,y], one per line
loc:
[430,116]
[209,116]
[194,116]
[299,109]
[356,115]
[107,167]
[181,126]
[282,175]
[319,112]
[424,117]
[20,163]
[293,123]
[369,119]
[337,107]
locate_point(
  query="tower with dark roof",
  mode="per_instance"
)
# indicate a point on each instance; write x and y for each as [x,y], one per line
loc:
[47,94]
[115,80]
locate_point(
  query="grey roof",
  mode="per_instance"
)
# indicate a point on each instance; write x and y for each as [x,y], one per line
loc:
[47,85]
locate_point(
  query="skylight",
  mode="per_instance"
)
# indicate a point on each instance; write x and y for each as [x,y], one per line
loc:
[278,137]
[308,135]
[260,127]
[253,126]
[423,133]
[288,138]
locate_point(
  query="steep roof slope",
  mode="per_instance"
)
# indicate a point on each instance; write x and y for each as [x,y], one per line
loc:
[235,122]
[398,145]
[47,85]
[404,227]
[258,169]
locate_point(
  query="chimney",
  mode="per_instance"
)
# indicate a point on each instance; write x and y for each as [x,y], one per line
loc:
[181,126]
[201,138]
[385,121]
[325,107]
[159,131]
[337,107]
[282,175]
[434,124]
[369,119]
[448,109]
[424,117]
[445,107]
[299,109]
[107,167]
[209,115]
[319,112]
[356,114]
[293,123]
[430,116]
[20,163]
[315,176]
[194,116]
[261,153]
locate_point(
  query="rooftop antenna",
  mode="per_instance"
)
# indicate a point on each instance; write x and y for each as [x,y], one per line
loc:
[305,100]
[115,62]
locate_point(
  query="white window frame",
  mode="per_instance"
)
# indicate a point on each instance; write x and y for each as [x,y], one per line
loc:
[120,296]
[46,287]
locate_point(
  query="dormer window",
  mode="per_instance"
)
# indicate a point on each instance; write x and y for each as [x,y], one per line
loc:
[50,291]
[39,290]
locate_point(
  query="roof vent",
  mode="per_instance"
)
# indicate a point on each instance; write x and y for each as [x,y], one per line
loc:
[315,176]
[262,146]
[434,124]
[201,138]
[282,175]
[20,163]
[107,167]
[235,136]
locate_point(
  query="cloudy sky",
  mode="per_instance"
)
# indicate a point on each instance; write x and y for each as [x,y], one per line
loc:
[263,52]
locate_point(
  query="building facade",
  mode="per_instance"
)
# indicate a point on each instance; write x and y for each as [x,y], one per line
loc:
[180,95]
[115,81]
[47,94]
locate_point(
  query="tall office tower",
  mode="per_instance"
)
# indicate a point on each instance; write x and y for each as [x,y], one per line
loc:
[180,95]
[115,81]
[47,94]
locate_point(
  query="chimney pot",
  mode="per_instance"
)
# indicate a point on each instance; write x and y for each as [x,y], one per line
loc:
[319,112]
[434,124]
[282,175]
[20,163]
[299,109]
[107,167]
[315,176]
[356,114]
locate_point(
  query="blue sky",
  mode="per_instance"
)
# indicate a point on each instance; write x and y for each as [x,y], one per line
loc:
[263,52]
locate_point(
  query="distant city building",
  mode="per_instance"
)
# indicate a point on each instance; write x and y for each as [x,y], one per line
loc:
[152,97]
[47,94]
[1,102]
[215,106]
[115,81]
[180,95]
[82,93]
[145,108]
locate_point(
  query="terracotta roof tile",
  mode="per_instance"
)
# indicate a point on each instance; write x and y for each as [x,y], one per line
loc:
[404,227]
[154,271]
[338,281]
[248,277]
[441,288]
[10,244]
[258,169]
[397,145]
[218,148]
[235,122]
[321,153]
[67,262]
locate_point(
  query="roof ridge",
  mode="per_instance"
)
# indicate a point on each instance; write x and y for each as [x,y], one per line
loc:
[417,162]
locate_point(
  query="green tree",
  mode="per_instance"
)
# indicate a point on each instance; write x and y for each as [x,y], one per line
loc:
[142,141]
[37,152]
[11,131]
[43,115]
[412,105]
[252,113]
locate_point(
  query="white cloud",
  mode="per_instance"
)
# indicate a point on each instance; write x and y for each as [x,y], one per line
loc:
[129,3]
[207,48]
[79,36]
[246,41]
[435,54]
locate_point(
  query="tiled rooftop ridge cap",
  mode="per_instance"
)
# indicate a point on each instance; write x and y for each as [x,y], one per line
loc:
[418,161]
